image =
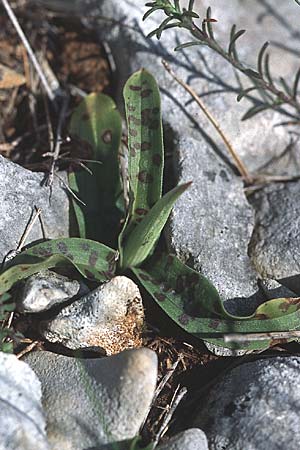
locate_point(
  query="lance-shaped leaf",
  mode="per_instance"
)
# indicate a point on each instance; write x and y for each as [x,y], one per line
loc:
[144,236]
[96,125]
[195,305]
[145,142]
[93,260]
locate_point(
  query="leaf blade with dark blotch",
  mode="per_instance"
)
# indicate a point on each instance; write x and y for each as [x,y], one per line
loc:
[143,237]
[145,142]
[193,303]
[92,259]
[97,124]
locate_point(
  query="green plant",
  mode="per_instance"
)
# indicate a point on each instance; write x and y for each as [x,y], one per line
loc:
[271,96]
[184,294]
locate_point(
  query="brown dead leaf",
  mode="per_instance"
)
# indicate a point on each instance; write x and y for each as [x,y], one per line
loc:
[9,78]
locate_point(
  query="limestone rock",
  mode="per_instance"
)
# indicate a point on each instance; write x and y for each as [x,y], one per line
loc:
[20,192]
[46,289]
[110,317]
[92,402]
[255,406]
[22,423]
[193,439]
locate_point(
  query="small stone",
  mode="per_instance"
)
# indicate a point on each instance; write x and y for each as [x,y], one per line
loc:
[255,406]
[193,439]
[92,402]
[20,192]
[46,289]
[111,317]
[22,424]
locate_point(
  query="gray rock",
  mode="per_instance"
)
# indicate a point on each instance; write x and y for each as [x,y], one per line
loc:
[254,407]
[193,439]
[92,402]
[46,289]
[212,229]
[22,424]
[110,317]
[20,192]
[274,247]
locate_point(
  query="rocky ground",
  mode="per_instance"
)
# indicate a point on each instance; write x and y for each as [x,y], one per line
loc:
[65,395]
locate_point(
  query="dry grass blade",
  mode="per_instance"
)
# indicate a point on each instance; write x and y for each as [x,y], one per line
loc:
[177,398]
[30,51]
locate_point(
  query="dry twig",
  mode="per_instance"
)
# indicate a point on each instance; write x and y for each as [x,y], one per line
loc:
[177,398]
[250,337]
[27,45]
[239,164]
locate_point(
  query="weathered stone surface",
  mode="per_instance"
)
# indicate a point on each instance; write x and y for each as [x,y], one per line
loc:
[212,223]
[255,406]
[20,192]
[110,317]
[193,439]
[274,247]
[22,424]
[92,402]
[46,289]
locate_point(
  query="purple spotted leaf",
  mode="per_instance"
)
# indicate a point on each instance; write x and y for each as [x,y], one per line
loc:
[97,128]
[194,304]
[145,145]
[93,260]
[142,239]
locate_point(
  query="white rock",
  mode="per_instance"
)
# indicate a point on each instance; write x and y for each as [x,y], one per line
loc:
[46,289]
[110,317]
[22,423]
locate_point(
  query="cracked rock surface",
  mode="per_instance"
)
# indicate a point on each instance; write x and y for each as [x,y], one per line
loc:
[20,193]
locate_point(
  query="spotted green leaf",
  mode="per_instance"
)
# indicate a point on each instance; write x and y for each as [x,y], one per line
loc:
[195,305]
[144,236]
[93,260]
[145,143]
[96,126]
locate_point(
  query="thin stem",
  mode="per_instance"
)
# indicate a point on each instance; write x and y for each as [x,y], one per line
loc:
[250,337]
[198,34]
[31,54]
[55,154]
[239,164]
[178,397]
